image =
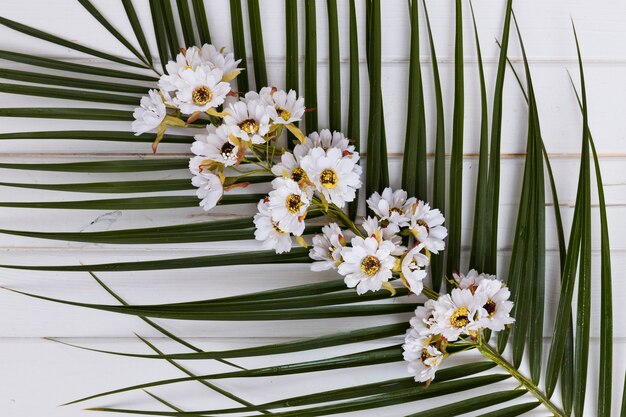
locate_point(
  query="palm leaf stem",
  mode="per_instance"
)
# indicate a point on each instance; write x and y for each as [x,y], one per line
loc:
[490,353]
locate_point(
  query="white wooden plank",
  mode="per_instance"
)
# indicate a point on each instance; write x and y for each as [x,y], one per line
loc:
[558,110]
[40,375]
[540,21]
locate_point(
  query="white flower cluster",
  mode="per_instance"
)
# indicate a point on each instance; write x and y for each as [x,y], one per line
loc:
[370,261]
[197,81]
[478,302]
[195,84]
[322,171]
[251,120]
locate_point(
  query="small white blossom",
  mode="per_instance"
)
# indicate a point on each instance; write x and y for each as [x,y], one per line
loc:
[325,140]
[327,248]
[248,120]
[199,90]
[374,229]
[423,318]
[496,307]
[393,208]
[288,167]
[367,264]
[426,226]
[288,205]
[213,58]
[424,359]
[284,107]
[335,177]
[216,146]
[455,314]
[471,280]
[267,231]
[414,266]
[210,189]
[150,114]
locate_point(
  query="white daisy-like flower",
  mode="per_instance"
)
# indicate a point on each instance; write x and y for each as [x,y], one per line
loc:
[284,107]
[327,247]
[335,177]
[495,311]
[423,318]
[326,140]
[426,226]
[392,207]
[216,146]
[424,359]
[288,205]
[455,314]
[288,167]
[210,189]
[374,229]
[212,58]
[268,231]
[367,264]
[150,114]
[248,120]
[199,90]
[414,266]
[471,280]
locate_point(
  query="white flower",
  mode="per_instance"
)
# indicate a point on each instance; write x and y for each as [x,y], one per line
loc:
[150,114]
[424,359]
[212,58]
[455,314]
[426,226]
[335,177]
[216,146]
[367,264]
[471,280]
[373,229]
[249,121]
[392,207]
[327,248]
[210,189]
[199,90]
[414,266]
[421,322]
[288,167]
[495,311]
[325,140]
[288,205]
[207,57]
[268,231]
[284,108]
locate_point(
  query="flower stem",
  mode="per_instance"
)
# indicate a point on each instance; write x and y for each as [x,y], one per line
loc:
[494,356]
[343,217]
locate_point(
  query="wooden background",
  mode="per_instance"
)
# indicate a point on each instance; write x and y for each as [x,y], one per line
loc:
[36,375]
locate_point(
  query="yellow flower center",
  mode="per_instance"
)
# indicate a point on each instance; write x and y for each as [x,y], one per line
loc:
[249,126]
[202,95]
[425,355]
[460,317]
[283,113]
[397,210]
[328,178]
[293,203]
[490,307]
[298,175]
[370,265]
